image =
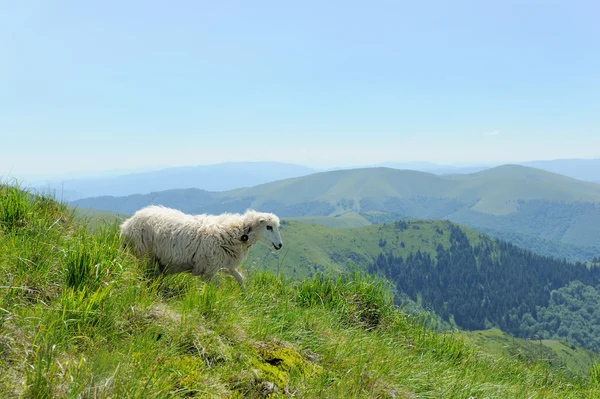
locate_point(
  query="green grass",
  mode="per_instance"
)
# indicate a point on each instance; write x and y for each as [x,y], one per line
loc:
[78,319]
[309,247]
[557,354]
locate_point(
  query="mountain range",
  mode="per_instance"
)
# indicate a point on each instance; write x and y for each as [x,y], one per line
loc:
[218,177]
[546,212]
[232,175]
[581,169]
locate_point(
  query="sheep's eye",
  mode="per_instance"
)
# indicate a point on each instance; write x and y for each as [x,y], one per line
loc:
[269,227]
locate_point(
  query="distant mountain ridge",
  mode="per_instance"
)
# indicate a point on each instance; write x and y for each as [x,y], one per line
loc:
[217,177]
[581,169]
[233,175]
[509,200]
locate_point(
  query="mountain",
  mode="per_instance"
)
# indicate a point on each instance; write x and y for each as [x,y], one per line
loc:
[216,177]
[435,168]
[529,206]
[493,191]
[232,175]
[581,169]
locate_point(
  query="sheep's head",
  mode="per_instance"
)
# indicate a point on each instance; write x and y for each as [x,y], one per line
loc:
[263,227]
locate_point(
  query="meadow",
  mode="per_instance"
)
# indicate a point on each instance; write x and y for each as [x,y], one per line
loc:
[80,319]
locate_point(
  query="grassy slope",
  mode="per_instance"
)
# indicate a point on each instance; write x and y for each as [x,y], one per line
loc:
[556,353]
[78,319]
[499,187]
[314,247]
[346,184]
[307,246]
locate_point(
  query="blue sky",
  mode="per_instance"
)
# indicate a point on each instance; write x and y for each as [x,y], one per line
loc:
[90,86]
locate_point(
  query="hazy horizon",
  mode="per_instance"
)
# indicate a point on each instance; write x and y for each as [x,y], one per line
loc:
[91,87]
[107,173]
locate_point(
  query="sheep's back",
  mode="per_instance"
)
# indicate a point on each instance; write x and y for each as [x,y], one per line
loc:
[166,234]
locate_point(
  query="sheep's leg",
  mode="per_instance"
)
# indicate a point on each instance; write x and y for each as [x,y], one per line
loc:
[238,277]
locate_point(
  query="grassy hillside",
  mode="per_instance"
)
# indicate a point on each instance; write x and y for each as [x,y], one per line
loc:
[557,354]
[510,200]
[498,188]
[472,269]
[465,277]
[310,247]
[78,319]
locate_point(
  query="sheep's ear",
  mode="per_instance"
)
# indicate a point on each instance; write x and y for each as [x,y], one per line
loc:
[262,221]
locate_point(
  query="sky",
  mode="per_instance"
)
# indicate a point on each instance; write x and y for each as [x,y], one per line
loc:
[113,85]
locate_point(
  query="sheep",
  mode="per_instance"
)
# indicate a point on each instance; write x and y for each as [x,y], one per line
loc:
[199,244]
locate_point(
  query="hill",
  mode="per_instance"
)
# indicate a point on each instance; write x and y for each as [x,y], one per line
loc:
[508,200]
[311,247]
[581,169]
[470,280]
[217,177]
[79,319]
[559,354]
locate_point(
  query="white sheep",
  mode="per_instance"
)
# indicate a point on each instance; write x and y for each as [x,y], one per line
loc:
[200,244]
